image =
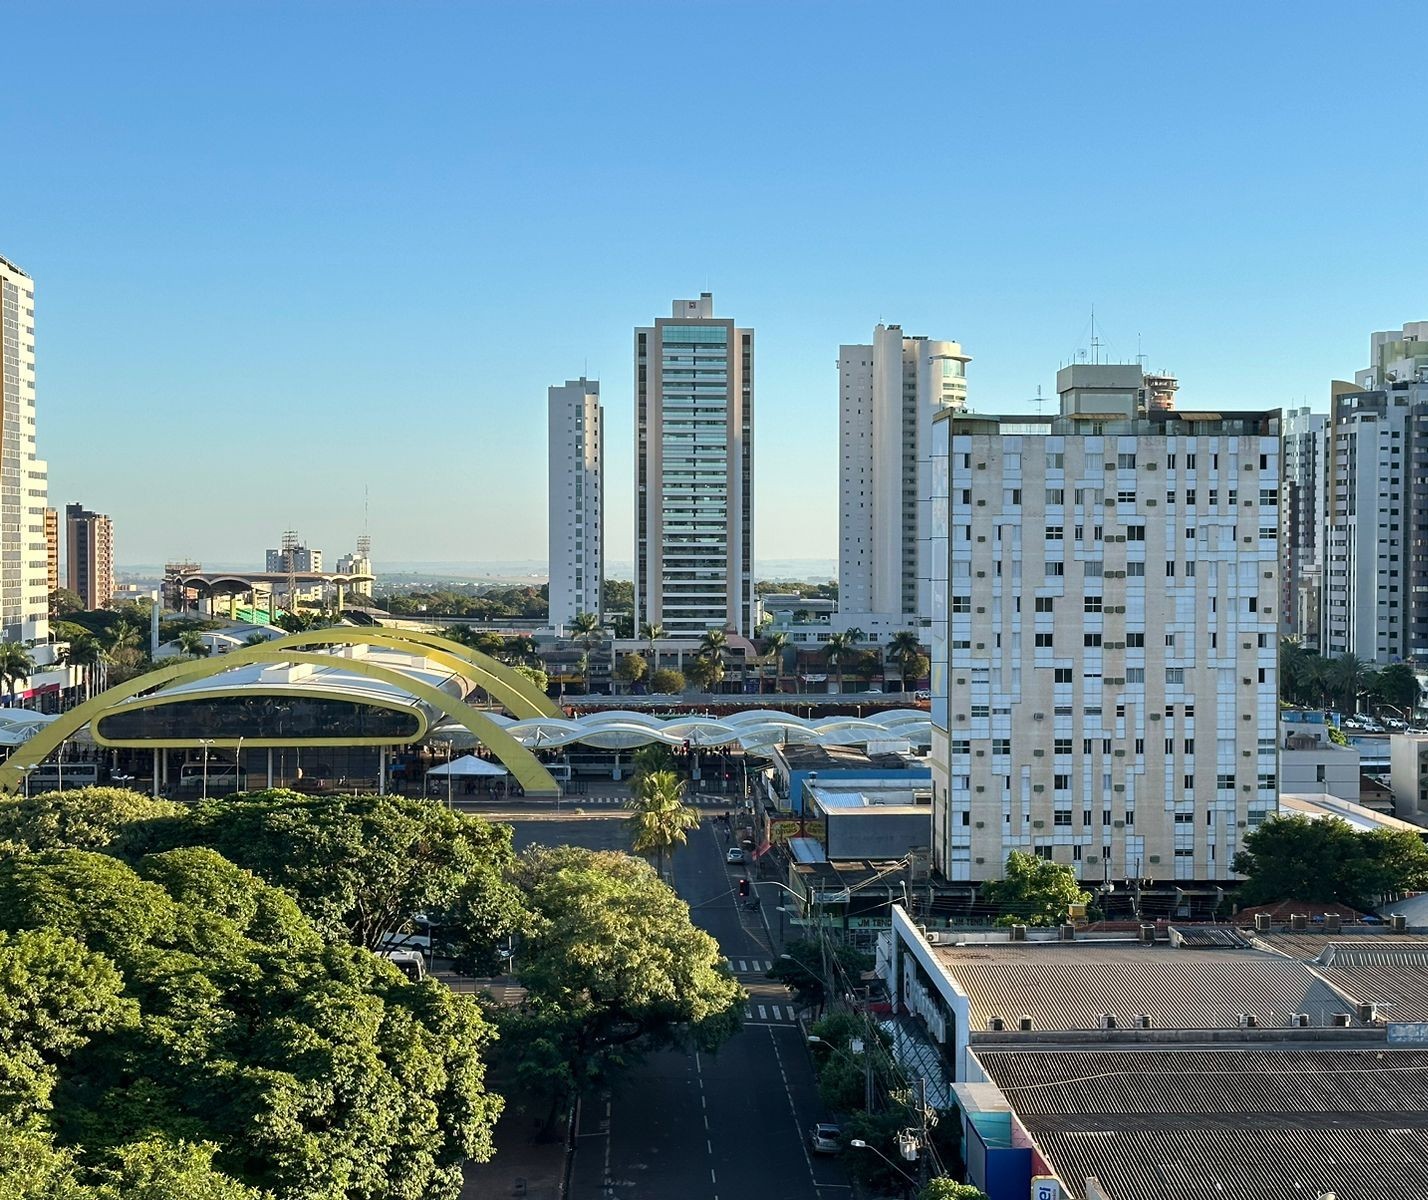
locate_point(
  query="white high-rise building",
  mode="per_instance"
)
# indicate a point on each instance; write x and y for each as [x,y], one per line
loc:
[576,486]
[24,555]
[888,394]
[1302,514]
[694,472]
[1105,636]
[1375,592]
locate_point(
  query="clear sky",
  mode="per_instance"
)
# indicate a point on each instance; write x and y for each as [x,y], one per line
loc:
[286,252]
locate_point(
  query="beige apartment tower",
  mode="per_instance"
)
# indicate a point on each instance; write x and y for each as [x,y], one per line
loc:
[24,596]
[89,555]
[1105,636]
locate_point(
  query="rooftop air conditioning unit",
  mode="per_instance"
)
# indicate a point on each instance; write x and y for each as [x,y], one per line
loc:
[1067,932]
[1333,922]
[996,1024]
[1299,1020]
[1341,1020]
[1397,922]
[1249,1021]
[1026,1024]
[1299,922]
[1142,1021]
[1018,933]
[1367,1013]
[1262,922]
[1108,1020]
[1147,935]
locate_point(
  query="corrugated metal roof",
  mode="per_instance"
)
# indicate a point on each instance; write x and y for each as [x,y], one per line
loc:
[1235,1124]
[1070,985]
[1399,989]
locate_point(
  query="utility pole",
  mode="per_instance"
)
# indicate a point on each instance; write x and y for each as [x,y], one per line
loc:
[921,1132]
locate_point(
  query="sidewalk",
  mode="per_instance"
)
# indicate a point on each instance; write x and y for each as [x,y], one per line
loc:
[521,1165]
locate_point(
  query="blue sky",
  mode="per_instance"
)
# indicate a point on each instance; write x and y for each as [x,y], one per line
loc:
[288,252]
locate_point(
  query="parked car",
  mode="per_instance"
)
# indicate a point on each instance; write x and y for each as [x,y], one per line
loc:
[924,694]
[825,1138]
[735,855]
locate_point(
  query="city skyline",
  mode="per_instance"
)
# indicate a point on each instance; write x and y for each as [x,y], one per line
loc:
[216,236]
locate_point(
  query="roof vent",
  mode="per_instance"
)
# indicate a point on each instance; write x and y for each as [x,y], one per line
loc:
[996,1024]
[1397,922]
[1018,933]
[1108,1021]
[1249,1021]
[1142,1021]
[1026,1024]
[1068,932]
[1147,934]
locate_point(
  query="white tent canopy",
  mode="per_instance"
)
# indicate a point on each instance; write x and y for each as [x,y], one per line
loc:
[468,767]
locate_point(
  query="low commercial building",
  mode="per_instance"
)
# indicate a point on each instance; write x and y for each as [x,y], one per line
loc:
[796,767]
[1311,763]
[1319,805]
[1408,775]
[872,818]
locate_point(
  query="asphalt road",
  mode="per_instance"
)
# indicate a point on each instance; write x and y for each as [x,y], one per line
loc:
[727,1126]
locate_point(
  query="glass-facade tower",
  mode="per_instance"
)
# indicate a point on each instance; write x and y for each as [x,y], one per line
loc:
[694,410]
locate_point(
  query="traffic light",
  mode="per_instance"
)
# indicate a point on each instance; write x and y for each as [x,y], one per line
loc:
[743,887]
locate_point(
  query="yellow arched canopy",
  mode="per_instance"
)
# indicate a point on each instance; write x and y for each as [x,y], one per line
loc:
[523,765]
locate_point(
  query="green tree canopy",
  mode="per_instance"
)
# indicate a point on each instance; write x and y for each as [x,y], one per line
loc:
[1033,891]
[1327,861]
[613,967]
[945,1188]
[216,1017]
[660,820]
[667,681]
[631,669]
[361,866]
[94,818]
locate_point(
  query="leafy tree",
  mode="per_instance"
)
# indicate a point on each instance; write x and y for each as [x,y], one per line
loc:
[316,1071]
[878,1129]
[660,820]
[807,963]
[63,602]
[617,595]
[1337,736]
[94,818]
[667,681]
[714,644]
[1327,861]
[706,673]
[613,967]
[1397,685]
[1349,677]
[652,634]
[86,653]
[1033,891]
[631,669]
[16,666]
[361,866]
[190,641]
[842,1082]
[535,675]
[945,1188]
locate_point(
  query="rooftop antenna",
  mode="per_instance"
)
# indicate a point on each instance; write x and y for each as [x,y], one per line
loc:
[364,543]
[289,563]
[1139,354]
[1095,341]
[1039,401]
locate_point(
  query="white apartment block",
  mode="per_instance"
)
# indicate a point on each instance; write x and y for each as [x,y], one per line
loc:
[888,394]
[576,499]
[694,472]
[1302,512]
[1104,637]
[1375,590]
[24,554]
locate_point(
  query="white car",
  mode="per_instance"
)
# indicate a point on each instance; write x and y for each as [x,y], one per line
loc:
[735,855]
[825,1138]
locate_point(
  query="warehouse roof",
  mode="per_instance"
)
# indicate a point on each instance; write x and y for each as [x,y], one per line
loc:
[1071,985]
[1241,1124]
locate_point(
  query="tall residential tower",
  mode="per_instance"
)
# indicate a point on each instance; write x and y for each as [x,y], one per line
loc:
[24,571]
[1105,635]
[1375,599]
[1301,512]
[888,394]
[694,472]
[89,555]
[576,490]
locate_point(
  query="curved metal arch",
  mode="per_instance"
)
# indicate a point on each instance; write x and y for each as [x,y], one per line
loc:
[504,683]
[522,764]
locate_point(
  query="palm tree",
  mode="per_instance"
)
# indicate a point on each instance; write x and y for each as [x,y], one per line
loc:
[586,630]
[836,651]
[16,666]
[1348,676]
[774,646]
[190,641]
[652,634]
[904,649]
[86,654]
[661,819]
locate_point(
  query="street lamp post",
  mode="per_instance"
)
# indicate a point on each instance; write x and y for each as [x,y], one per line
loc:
[859,1144]
[205,743]
[28,771]
[448,744]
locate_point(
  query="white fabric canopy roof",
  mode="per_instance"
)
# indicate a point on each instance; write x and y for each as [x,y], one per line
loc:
[469,765]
